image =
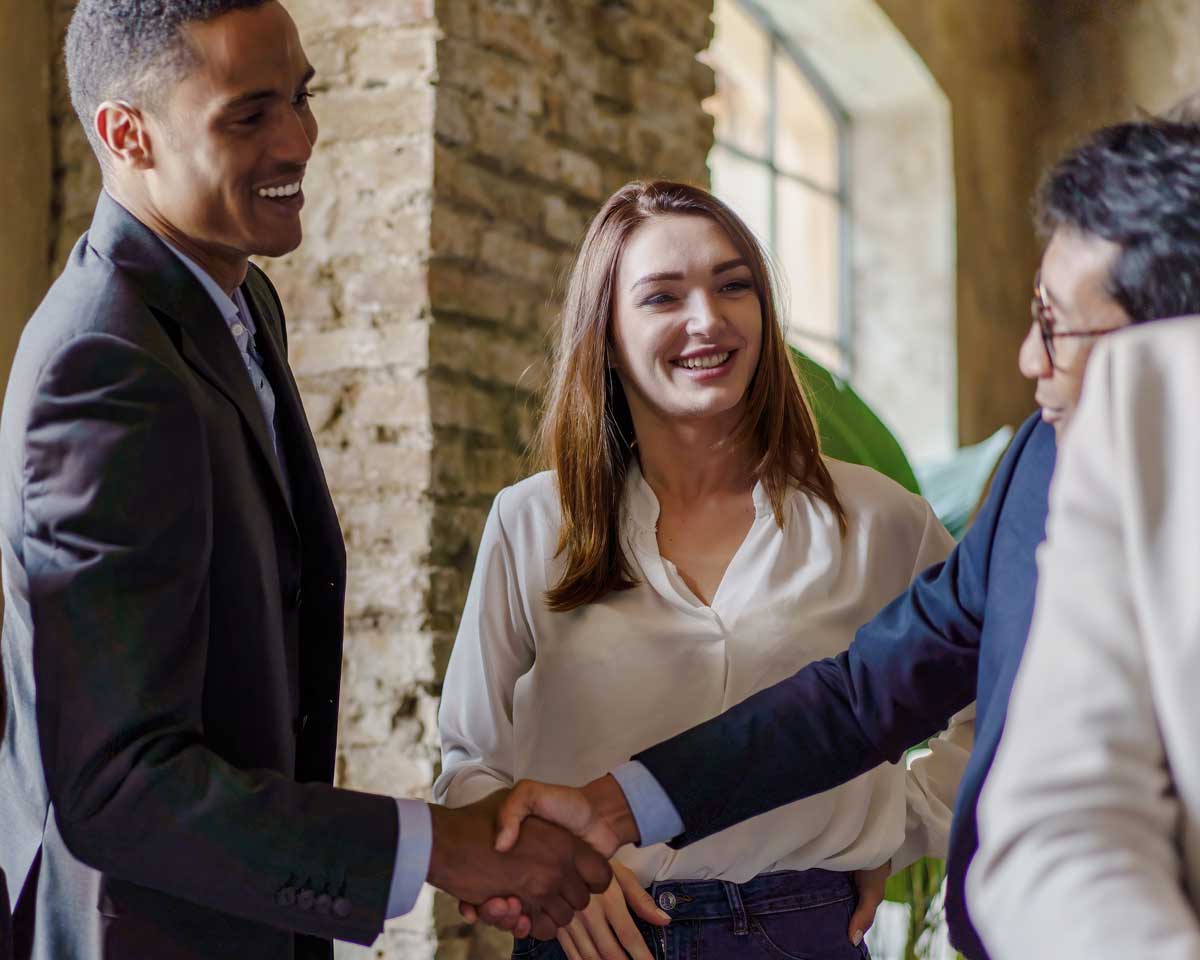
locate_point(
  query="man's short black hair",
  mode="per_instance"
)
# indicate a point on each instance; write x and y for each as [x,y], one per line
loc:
[1136,185]
[131,50]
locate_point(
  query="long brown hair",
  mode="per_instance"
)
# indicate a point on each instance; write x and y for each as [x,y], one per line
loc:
[586,434]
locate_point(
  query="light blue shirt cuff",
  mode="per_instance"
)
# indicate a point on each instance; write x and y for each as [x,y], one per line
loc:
[413,849]
[655,815]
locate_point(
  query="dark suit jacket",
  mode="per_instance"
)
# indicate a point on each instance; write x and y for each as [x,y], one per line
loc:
[956,636]
[173,631]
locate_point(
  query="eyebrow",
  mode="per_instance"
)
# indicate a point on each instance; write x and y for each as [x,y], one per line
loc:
[255,95]
[722,267]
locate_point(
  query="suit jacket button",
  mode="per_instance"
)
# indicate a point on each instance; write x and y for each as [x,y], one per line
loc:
[305,899]
[300,723]
[297,596]
[324,904]
[286,897]
[342,907]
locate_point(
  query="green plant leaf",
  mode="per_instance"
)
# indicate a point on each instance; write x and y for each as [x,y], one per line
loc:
[850,430]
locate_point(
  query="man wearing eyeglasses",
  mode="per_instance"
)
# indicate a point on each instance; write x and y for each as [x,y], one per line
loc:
[1120,215]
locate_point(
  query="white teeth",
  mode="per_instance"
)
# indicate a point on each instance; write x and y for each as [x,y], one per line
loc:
[704,363]
[272,192]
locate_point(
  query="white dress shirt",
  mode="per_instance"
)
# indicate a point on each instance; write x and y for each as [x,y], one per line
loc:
[565,697]
[1090,820]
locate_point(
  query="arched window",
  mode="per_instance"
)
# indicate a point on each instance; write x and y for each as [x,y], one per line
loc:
[780,160]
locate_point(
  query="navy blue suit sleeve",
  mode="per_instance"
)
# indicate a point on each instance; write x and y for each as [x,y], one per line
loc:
[906,673]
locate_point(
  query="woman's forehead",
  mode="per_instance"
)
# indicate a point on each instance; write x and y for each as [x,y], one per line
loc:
[675,242]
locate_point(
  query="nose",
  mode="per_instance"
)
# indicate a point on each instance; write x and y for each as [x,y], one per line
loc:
[1033,360]
[296,137]
[703,315]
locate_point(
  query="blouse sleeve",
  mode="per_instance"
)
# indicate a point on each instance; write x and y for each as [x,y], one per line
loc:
[932,785]
[493,650]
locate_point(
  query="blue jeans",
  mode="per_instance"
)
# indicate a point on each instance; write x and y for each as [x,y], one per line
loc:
[790,915]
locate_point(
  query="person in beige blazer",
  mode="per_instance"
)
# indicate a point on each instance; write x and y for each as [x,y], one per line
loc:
[1090,822]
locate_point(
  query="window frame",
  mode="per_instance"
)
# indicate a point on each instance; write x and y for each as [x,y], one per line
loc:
[781,45]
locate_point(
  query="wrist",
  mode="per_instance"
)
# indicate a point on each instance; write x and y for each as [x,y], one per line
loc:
[610,804]
[441,824]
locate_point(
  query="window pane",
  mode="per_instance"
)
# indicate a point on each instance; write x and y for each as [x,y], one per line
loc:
[745,186]
[740,55]
[809,256]
[807,134]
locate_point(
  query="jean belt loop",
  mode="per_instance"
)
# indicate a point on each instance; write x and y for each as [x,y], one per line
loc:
[737,909]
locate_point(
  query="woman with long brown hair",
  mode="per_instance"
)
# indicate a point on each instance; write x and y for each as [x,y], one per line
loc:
[686,546]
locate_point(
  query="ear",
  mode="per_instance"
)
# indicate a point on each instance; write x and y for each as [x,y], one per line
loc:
[123,131]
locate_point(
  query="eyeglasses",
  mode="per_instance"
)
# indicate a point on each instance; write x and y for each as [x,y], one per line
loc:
[1043,316]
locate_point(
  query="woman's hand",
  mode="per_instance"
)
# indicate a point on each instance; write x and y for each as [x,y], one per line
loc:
[870,895]
[604,930]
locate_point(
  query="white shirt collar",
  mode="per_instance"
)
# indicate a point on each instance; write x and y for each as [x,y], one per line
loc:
[227,306]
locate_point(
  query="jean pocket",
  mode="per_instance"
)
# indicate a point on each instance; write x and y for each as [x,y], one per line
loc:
[811,933]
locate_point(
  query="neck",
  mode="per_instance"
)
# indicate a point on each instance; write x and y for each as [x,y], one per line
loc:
[690,460]
[227,269]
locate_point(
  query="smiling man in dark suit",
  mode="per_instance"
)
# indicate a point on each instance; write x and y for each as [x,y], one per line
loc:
[174,571]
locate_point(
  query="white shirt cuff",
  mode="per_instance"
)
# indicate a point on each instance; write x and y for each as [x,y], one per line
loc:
[657,819]
[414,846]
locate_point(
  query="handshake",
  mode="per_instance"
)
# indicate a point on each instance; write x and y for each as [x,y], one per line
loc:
[528,859]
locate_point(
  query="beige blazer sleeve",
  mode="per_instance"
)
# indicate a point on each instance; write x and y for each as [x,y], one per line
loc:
[1084,839]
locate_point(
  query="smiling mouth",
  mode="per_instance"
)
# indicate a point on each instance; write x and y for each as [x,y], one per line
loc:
[704,363]
[285,192]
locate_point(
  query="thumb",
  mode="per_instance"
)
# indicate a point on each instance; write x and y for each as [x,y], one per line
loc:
[563,806]
[638,898]
[512,813]
[871,884]
[860,922]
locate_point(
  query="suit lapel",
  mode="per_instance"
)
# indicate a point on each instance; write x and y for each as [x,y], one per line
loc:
[210,349]
[175,295]
[309,489]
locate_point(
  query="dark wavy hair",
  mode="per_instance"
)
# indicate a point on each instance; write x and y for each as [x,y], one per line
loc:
[1136,185]
[132,50]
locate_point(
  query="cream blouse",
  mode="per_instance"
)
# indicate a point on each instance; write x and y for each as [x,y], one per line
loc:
[565,697]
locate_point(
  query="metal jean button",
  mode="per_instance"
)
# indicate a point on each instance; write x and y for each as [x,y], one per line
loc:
[667,900]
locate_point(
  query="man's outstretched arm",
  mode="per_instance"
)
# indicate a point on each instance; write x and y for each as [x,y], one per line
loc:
[907,673]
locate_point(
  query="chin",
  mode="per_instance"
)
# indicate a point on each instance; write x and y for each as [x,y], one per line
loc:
[278,246]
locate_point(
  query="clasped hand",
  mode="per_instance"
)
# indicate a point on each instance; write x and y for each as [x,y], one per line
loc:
[599,815]
[552,873]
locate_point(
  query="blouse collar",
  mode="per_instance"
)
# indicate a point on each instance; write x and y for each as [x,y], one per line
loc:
[642,507]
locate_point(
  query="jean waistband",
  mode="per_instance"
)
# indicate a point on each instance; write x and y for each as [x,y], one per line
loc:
[768,893]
